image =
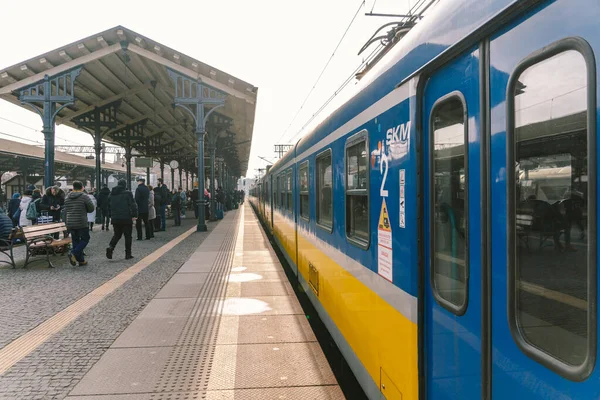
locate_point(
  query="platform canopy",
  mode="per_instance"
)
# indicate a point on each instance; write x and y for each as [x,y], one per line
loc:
[15,156]
[125,68]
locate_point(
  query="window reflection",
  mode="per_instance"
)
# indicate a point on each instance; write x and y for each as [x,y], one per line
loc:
[324,190]
[304,207]
[449,262]
[357,200]
[551,206]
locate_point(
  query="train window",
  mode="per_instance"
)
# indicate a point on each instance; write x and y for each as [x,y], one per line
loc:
[324,183]
[303,181]
[551,213]
[282,196]
[278,190]
[449,231]
[357,195]
[289,190]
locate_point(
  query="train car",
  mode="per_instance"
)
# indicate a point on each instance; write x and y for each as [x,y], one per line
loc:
[443,219]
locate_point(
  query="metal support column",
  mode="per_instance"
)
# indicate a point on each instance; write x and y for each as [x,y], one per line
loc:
[147,175]
[55,93]
[187,181]
[180,178]
[212,150]
[162,170]
[193,97]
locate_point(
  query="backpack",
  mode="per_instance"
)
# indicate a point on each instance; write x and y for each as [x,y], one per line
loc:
[32,212]
[176,200]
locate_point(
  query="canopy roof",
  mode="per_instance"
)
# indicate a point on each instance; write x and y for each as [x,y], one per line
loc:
[10,151]
[119,64]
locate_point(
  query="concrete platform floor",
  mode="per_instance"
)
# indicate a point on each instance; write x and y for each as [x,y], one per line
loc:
[226,326]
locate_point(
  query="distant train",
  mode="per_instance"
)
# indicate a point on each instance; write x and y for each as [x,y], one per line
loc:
[443,219]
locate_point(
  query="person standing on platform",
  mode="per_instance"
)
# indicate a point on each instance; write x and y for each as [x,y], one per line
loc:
[164,200]
[53,201]
[195,199]
[123,212]
[151,211]
[142,195]
[92,215]
[176,207]
[77,206]
[183,201]
[14,212]
[103,206]
[157,203]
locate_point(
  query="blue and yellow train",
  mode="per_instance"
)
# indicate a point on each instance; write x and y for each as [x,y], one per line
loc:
[443,219]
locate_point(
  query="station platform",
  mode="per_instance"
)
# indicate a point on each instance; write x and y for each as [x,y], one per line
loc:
[227,325]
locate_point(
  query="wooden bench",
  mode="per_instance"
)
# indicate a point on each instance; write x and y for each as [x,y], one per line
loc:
[7,246]
[39,241]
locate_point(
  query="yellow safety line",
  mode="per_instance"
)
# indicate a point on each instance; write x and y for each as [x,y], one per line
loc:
[27,343]
[554,295]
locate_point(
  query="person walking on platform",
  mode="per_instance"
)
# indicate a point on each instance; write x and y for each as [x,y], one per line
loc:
[151,211]
[176,207]
[77,206]
[164,200]
[103,206]
[123,212]
[142,197]
[92,215]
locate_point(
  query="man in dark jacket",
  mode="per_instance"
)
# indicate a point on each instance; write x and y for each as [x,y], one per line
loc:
[123,212]
[142,196]
[6,227]
[195,199]
[157,203]
[78,205]
[13,207]
[52,202]
[165,197]
[103,206]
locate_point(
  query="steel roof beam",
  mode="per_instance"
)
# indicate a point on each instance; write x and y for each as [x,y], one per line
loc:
[60,68]
[191,73]
[134,90]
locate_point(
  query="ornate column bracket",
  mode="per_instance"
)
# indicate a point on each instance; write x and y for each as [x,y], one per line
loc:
[126,136]
[54,93]
[195,97]
[103,117]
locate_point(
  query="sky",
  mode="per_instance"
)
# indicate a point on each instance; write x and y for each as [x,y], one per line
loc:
[279,46]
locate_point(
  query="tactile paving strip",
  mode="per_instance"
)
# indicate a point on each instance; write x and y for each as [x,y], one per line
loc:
[190,361]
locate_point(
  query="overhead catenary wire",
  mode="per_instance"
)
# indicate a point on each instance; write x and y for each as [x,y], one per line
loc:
[35,130]
[362,3]
[414,10]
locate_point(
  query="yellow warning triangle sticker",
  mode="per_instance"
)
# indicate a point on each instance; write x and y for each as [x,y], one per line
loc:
[384,219]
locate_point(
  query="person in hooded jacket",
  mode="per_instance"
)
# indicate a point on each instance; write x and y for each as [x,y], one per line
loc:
[151,211]
[23,221]
[52,202]
[157,202]
[77,205]
[13,207]
[103,206]
[142,194]
[123,211]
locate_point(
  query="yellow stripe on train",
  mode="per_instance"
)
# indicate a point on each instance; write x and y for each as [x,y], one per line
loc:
[383,339]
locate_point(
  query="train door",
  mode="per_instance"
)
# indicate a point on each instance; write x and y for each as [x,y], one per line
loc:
[452,230]
[543,202]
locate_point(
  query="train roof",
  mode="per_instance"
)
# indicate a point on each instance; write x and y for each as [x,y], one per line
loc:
[447,24]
